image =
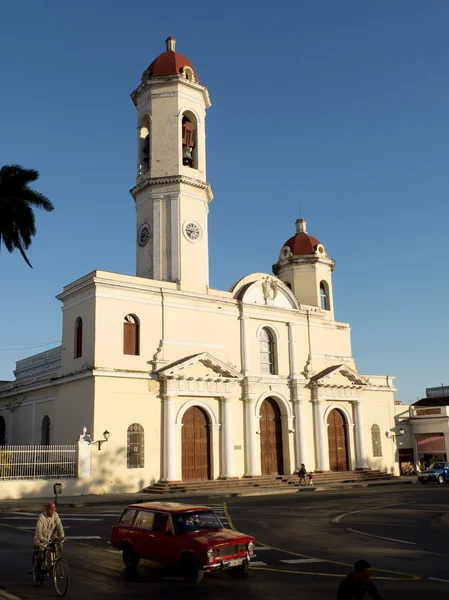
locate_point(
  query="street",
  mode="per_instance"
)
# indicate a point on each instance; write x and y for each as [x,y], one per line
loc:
[306,543]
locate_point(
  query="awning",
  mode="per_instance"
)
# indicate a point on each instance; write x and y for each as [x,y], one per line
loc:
[431,443]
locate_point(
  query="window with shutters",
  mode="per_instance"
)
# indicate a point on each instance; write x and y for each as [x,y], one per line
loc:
[376,440]
[45,431]
[267,357]
[131,335]
[78,337]
[135,446]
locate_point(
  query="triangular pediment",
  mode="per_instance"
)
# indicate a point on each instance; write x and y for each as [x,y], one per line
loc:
[204,366]
[339,375]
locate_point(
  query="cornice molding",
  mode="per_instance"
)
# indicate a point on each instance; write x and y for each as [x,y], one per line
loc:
[180,179]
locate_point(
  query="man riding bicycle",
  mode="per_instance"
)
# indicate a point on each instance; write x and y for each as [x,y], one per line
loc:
[48,529]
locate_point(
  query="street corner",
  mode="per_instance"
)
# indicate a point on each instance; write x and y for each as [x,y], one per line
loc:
[269,558]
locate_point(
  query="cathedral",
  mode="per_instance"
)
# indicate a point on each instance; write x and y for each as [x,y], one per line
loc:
[194,383]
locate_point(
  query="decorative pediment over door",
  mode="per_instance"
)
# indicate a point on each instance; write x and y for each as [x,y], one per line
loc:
[199,375]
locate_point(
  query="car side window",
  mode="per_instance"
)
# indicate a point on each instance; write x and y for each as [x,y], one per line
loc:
[144,520]
[127,517]
[163,523]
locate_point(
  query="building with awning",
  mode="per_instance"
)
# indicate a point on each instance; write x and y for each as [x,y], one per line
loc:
[425,437]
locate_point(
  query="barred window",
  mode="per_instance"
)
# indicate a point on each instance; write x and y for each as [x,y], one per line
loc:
[135,446]
[376,440]
[45,431]
[267,364]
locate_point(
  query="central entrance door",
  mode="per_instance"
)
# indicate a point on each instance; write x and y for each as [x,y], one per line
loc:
[195,438]
[272,460]
[338,441]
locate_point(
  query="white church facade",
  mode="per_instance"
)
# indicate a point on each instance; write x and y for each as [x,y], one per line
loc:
[191,382]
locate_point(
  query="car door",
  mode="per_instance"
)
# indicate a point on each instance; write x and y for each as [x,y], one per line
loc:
[143,538]
[164,538]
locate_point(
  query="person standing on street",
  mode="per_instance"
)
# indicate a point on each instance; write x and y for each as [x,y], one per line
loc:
[48,529]
[358,585]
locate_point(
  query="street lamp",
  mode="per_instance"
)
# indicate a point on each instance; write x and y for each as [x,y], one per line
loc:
[394,436]
[99,443]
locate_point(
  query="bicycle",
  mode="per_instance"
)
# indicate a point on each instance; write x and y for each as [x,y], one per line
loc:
[55,566]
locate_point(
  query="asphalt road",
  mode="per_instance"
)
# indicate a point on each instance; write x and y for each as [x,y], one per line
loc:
[306,544]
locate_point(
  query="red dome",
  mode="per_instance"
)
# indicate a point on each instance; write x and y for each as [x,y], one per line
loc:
[302,243]
[169,63]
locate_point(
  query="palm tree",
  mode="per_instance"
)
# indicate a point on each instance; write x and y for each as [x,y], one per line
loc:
[17,201]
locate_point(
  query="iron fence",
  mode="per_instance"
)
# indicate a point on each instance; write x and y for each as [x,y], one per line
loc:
[37,462]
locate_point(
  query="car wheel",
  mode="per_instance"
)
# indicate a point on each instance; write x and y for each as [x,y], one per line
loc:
[440,479]
[191,570]
[423,481]
[130,559]
[240,570]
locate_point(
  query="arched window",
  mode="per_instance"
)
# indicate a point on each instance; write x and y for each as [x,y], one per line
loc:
[376,440]
[324,296]
[189,140]
[144,145]
[135,446]
[78,337]
[45,431]
[188,73]
[2,431]
[267,358]
[131,335]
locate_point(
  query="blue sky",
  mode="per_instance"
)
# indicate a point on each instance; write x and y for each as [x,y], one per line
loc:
[339,106]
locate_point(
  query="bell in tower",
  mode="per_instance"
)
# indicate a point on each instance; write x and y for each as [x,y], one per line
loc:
[188,141]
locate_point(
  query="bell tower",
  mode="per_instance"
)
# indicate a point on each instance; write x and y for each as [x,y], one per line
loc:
[171,191]
[305,267]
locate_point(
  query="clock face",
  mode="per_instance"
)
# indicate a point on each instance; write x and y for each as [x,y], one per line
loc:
[143,235]
[192,231]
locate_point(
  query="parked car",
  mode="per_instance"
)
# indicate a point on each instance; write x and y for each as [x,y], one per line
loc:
[439,472]
[189,537]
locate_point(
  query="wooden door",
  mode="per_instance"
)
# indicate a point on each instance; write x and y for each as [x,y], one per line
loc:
[195,445]
[272,460]
[338,442]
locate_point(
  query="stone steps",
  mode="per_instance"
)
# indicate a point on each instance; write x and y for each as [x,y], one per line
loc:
[264,481]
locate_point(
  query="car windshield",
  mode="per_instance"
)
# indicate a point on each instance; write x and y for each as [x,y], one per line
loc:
[438,466]
[196,521]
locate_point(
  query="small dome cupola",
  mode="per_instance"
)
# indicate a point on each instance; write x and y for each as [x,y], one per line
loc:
[170,63]
[302,244]
[304,266]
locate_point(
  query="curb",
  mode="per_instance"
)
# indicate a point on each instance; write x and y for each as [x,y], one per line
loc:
[37,505]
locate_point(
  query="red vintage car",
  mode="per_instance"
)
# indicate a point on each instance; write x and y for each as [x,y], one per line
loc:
[186,536]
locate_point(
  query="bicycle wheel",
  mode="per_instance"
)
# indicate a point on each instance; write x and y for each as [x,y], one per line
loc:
[36,576]
[61,576]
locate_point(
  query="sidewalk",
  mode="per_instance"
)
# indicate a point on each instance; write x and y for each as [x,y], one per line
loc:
[138,497]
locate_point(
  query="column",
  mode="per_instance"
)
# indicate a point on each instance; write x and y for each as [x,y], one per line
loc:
[300,433]
[244,344]
[322,446]
[251,443]
[174,249]
[157,263]
[170,471]
[292,349]
[360,437]
[227,442]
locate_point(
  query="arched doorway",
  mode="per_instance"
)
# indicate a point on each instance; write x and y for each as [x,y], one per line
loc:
[195,443]
[271,452]
[338,441]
